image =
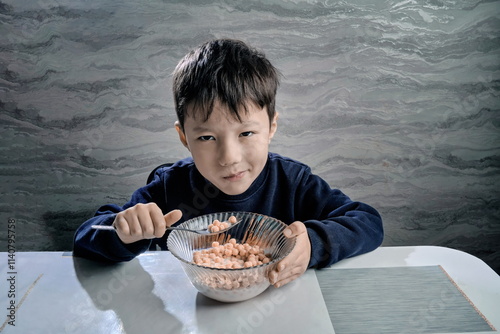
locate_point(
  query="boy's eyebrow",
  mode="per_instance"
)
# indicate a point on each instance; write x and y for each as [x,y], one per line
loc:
[199,128]
[250,123]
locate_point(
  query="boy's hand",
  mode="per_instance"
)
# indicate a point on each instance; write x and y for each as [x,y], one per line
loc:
[295,264]
[143,221]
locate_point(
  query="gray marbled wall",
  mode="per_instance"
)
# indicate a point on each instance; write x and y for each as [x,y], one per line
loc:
[394,102]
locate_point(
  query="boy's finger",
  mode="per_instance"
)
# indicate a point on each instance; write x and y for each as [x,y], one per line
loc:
[134,226]
[286,280]
[158,223]
[121,225]
[172,217]
[273,277]
[294,229]
[286,276]
[144,219]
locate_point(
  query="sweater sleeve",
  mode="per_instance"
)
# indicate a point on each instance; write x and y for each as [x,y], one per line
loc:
[342,228]
[106,245]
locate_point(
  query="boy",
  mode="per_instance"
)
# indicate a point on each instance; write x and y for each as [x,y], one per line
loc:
[224,95]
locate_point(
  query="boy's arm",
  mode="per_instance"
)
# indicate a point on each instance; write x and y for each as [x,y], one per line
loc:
[341,228]
[105,245]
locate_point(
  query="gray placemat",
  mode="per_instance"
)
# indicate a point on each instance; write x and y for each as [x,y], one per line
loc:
[397,300]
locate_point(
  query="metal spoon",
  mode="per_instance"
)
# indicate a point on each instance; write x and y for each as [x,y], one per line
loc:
[203,232]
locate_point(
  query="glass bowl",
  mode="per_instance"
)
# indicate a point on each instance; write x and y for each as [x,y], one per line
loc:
[231,285]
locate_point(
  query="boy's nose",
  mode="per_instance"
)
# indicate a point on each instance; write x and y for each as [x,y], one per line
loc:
[229,154]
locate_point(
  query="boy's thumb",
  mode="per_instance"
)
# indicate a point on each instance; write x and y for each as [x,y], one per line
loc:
[172,217]
[294,229]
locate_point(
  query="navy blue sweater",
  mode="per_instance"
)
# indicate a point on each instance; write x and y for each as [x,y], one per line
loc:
[338,228]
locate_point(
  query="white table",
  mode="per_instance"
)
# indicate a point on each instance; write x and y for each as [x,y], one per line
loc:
[56,293]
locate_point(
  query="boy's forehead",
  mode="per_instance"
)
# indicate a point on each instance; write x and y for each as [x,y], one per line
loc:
[221,111]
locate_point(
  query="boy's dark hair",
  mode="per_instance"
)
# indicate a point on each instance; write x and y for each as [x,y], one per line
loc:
[227,71]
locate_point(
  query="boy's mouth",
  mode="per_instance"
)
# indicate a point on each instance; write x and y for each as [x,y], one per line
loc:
[235,176]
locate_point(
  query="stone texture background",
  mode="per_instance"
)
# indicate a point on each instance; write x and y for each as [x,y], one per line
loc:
[395,103]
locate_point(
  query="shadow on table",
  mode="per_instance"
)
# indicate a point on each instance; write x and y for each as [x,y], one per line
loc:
[127,290]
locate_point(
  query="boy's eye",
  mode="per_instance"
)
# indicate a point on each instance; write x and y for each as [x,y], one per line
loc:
[206,138]
[246,134]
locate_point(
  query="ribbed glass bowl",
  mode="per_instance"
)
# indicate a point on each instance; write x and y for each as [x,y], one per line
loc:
[219,284]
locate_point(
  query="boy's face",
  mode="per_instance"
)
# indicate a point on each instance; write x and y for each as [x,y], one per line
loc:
[229,153]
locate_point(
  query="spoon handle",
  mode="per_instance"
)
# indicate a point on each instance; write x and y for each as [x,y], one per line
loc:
[112,228]
[103,227]
[205,231]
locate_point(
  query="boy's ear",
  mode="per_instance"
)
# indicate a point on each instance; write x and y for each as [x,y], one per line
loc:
[182,135]
[274,126]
